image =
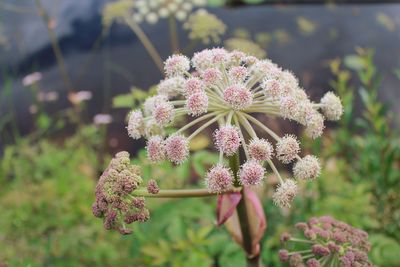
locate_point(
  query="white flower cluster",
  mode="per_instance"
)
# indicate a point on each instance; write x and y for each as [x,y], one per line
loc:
[153,10]
[229,89]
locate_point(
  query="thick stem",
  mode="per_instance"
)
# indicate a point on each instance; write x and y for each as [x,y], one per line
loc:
[242,212]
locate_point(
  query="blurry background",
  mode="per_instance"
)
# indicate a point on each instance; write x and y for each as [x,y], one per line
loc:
[69,76]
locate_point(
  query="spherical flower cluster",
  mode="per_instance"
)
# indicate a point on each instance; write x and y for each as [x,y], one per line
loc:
[204,26]
[230,90]
[307,168]
[251,173]
[331,106]
[114,202]
[227,140]
[260,149]
[325,241]
[219,178]
[152,10]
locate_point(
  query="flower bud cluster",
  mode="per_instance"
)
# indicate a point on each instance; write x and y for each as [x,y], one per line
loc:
[324,241]
[226,89]
[113,200]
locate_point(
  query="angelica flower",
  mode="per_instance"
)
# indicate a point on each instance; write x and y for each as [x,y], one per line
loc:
[231,90]
[114,202]
[325,240]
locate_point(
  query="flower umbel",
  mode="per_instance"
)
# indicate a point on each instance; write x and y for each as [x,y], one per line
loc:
[114,202]
[232,90]
[325,241]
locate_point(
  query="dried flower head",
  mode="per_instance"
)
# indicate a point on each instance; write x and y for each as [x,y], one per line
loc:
[227,89]
[204,26]
[114,201]
[326,240]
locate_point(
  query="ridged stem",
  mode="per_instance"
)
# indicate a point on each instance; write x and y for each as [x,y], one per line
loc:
[243,215]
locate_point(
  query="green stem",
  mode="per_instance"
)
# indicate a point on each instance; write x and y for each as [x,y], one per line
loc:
[180,193]
[242,212]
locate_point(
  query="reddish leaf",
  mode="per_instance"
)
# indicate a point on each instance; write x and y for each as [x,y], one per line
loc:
[226,206]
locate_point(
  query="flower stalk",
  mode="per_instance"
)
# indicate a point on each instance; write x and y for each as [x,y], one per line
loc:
[180,193]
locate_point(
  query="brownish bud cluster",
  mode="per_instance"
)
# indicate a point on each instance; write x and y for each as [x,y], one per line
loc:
[113,200]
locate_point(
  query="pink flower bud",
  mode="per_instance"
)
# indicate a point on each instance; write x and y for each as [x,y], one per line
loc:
[176,65]
[135,124]
[238,96]
[155,148]
[212,76]
[260,149]
[227,139]
[285,193]
[307,168]
[197,104]
[219,178]
[238,74]
[331,106]
[163,113]
[193,86]
[177,148]
[251,173]
[287,148]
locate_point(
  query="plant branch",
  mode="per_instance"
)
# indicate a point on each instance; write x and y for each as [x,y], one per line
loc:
[180,193]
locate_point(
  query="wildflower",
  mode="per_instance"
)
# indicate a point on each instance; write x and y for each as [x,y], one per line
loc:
[219,178]
[155,148]
[114,202]
[204,26]
[197,104]
[307,168]
[177,148]
[152,187]
[227,89]
[315,245]
[251,173]
[260,149]
[227,140]
[331,106]
[287,148]
[135,124]
[285,193]
[176,65]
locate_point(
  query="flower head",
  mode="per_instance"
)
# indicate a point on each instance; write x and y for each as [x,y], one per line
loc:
[331,106]
[316,243]
[307,168]
[177,148]
[285,193]
[113,200]
[260,149]
[219,178]
[135,124]
[155,148]
[251,173]
[225,90]
[227,140]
